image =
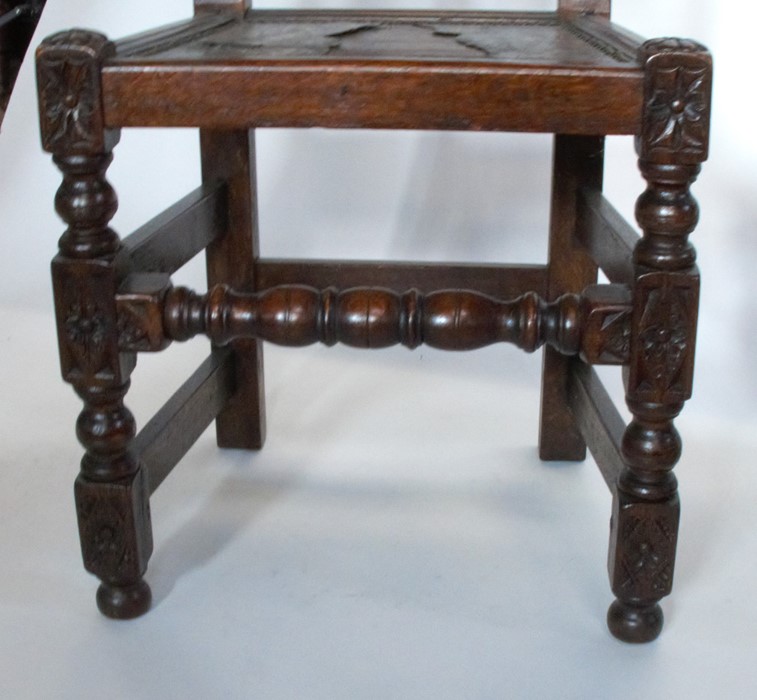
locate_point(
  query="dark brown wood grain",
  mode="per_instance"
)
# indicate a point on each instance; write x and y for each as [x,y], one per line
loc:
[502,281]
[176,235]
[578,163]
[367,69]
[599,421]
[403,96]
[229,156]
[370,317]
[606,235]
[175,428]
[594,325]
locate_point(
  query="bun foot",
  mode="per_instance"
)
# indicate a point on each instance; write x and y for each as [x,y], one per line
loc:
[635,623]
[124,602]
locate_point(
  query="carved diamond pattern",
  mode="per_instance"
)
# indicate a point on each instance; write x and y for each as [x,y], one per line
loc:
[647,563]
[104,532]
[616,337]
[664,338]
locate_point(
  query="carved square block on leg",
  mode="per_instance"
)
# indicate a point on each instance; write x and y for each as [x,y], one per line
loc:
[641,563]
[643,549]
[116,540]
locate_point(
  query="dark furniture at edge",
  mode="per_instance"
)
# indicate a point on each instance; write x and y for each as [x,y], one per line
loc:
[232,69]
[18,20]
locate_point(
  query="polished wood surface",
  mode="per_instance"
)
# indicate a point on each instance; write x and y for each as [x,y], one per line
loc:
[369,35]
[571,73]
[361,69]
[229,156]
[577,162]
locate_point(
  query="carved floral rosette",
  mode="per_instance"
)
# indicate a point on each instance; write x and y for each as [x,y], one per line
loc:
[70,94]
[87,323]
[662,352]
[677,94]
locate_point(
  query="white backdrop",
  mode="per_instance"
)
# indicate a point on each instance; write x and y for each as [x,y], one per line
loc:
[373,552]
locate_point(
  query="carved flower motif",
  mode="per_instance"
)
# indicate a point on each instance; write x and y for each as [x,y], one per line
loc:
[68,65]
[664,339]
[678,108]
[663,349]
[86,329]
[68,101]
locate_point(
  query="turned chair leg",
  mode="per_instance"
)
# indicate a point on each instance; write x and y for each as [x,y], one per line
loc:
[111,490]
[644,523]
[671,146]
[112,504]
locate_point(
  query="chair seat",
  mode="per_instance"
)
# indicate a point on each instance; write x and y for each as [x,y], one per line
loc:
[368,69]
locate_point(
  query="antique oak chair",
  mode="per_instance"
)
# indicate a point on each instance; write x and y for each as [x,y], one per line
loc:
[231,69]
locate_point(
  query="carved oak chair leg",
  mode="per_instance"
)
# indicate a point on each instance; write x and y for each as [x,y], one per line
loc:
[671,147]
[111,490]
[112,504]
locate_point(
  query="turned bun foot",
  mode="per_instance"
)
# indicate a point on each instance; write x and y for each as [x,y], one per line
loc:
[124,602]
[635,623]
